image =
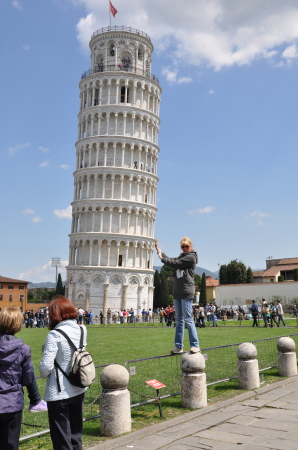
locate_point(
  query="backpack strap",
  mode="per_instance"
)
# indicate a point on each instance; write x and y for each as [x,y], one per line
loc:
[57,366]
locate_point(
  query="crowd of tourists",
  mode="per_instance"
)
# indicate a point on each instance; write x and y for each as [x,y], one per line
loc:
[270,312]
[37,319]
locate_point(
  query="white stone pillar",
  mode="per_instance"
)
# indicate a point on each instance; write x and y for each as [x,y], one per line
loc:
[109,93]
[100,94]
[140,291]
[117,92]
[109,254]
[117,255]
[95,187]
[98,256]
[287,360]
[124,296]
[124,123]
[248,366]
[115,416]
[193,382]
[104,186]
[88,187]
[93,219]
[116,124]
[110,221]
[90,253]
[101,221]
[105,155]
[121,186]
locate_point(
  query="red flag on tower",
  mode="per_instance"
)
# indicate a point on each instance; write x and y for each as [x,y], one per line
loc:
[113,9]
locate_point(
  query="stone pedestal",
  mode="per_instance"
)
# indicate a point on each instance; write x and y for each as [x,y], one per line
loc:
[193,383]
[287,360]
[248,366]
[115,417]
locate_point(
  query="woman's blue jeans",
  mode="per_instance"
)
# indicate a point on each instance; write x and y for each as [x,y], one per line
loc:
[183,309]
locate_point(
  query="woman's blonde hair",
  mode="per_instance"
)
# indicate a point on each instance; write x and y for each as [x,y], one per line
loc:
[11,320]
[185,240]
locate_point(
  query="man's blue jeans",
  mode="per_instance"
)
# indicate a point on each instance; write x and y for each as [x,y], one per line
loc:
[265,318]
[183,309]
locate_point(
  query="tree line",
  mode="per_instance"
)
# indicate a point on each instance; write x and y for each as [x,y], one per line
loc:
[46,294]
[164,287]
[235,272]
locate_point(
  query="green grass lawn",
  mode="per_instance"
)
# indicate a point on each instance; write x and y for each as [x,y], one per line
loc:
[121,343]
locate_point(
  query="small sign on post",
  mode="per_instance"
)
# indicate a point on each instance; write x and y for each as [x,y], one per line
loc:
[157,385]
[132,370]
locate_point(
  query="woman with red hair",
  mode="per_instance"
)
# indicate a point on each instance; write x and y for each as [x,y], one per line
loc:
[65,401]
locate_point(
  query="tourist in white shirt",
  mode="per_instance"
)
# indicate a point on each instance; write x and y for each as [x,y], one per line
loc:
[280,313]
[121,316]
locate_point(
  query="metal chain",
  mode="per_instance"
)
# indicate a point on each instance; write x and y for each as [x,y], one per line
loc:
[34,426]
[92,403]
[236,370]
[228,376]
[141,395]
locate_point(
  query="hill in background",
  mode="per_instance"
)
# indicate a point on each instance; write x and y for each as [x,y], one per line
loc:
[44,284]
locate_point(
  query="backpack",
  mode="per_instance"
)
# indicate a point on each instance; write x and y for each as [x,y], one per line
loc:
[82,369]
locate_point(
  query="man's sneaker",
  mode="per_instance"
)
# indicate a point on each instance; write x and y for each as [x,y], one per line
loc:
[195,350]
[177,350]
[41,406]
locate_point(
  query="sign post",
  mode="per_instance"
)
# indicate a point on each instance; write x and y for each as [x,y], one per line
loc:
[157,385]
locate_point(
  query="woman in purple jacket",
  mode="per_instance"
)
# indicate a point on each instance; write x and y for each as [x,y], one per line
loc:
[16,371]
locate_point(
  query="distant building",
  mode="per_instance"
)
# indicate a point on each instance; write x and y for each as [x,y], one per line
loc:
[275,268]
[13,293]
[211,285]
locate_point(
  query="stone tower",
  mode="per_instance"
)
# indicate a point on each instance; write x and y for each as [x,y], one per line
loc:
[115,181]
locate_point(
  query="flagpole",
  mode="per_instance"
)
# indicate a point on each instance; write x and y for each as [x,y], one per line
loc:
[110,15]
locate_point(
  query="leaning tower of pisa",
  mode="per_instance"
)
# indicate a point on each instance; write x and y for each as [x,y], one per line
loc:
[115,180]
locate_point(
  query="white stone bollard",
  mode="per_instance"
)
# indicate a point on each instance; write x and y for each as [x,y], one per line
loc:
[115,417]
[193,383]
[287,360]
[248,366]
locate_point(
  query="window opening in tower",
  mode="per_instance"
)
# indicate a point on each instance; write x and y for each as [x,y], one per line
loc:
[125,95]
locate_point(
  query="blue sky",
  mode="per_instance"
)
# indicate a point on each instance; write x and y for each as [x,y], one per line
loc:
[228,134]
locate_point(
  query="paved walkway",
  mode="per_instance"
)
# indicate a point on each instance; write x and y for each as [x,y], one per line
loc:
[265,418]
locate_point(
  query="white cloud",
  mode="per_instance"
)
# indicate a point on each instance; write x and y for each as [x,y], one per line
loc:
[64,166]
[172,76]
[17,5]
[258,214]
[205,210]
[28,211]
[260,223]
[26,47]
[211,92]
[290,53]
[63,213]
[44,273]
[43,149]
[17,148]
[85,27]
[44,163]
[210,33]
